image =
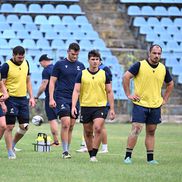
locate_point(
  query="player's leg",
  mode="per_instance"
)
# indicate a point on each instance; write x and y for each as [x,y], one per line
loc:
[153,119]
[54,130]
[2,124]
[72,123]
[23,119]
[65,125]
[104,141]
[150,141]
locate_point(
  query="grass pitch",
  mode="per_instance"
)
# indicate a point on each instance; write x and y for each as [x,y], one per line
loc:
[46,167]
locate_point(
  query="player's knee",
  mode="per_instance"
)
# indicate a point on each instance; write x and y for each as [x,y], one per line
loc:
[3,127]
[151,132]
[136,131]
[9,127]
[98,130]
[23,128]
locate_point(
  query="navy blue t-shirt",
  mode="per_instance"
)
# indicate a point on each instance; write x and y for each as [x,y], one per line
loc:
[66,73]
[134,69]
[46,74]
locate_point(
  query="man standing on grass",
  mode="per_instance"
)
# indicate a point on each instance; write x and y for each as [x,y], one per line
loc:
[46,63]
[149,76]
[16,76]
[93,88]
[64,73]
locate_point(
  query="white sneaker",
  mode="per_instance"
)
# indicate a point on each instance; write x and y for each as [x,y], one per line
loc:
[93,159]
[17,149]
[82,150]
[103,151]
[12,156]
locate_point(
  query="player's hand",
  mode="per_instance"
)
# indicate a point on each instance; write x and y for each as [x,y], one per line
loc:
[112,114]
[3,107]
[135,98]
[52,103]
[32,102]
[74,112]
[4,97]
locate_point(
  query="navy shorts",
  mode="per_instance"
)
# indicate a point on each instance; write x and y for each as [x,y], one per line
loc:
[146,115]
[50,112]
[17,107]
[88,114]
[64,108]
[1,112]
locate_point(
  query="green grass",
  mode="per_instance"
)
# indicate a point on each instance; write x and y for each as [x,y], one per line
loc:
[37,166]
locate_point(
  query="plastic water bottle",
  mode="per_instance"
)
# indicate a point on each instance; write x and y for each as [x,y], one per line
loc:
[40,144]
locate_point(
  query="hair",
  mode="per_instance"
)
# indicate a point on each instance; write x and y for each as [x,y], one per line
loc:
[74,46]
[94,53]
[155,45]
[18,50]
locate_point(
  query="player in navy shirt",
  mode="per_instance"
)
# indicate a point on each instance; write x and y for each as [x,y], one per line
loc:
[46,63]
[65,72]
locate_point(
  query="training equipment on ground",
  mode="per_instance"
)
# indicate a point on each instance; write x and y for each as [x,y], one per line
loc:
[37,120]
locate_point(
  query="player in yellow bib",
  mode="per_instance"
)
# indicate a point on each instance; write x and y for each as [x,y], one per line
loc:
[93,87]
[16,76]
[149,76]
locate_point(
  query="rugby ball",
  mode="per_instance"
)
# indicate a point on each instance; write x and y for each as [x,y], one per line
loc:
[37,120]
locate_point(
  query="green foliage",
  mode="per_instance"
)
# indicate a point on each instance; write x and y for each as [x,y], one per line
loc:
[46,167]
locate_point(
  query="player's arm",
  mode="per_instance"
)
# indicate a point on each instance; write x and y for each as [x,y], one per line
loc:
[4,92]
[42,88]
[52,83]
[169,87]
[30,91]
[75,96]
[110,97]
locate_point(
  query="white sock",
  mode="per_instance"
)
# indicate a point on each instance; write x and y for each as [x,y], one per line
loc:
[104,146]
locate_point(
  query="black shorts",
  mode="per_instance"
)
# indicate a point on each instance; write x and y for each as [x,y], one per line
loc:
[88,114]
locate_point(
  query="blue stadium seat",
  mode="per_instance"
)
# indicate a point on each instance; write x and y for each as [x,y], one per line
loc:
[2,18]
[30,27]
[145,30]
[176,69]
[12,18]
[160,11]
[57,44]
[165,37]
[153,21]
[178,37]
[174,11]
[8,34]
[22,34]
[77,35]
[7,8]
[50,35]
[64,35]
[35,34]
[41,19]
[43,44]
[28,44]
[99,44]
[92,35]
[20,8]
[85,45]
[80,20]
[14,42]
[72,27]
[34,8]
[152,37]
[4,43]
[4,26]
[54,20]
[166,22]
[75,9]
[62,9]
[58,27]
[48,8]
[147,10]
[159,29]
[170,62]
[178,22]
[24,19]
[17,26]
[45,28]
[86,27]
[172,46]
[139,21]
[68,20]
[134,10]
[173,30]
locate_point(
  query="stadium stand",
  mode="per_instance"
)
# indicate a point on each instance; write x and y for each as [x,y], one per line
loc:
[42,27]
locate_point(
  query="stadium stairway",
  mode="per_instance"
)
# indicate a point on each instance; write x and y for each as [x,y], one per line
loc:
[113,26]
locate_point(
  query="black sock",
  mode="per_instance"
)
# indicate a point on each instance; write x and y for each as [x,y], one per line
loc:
[150,155]
[94,152]
[128,152]
[90,153]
